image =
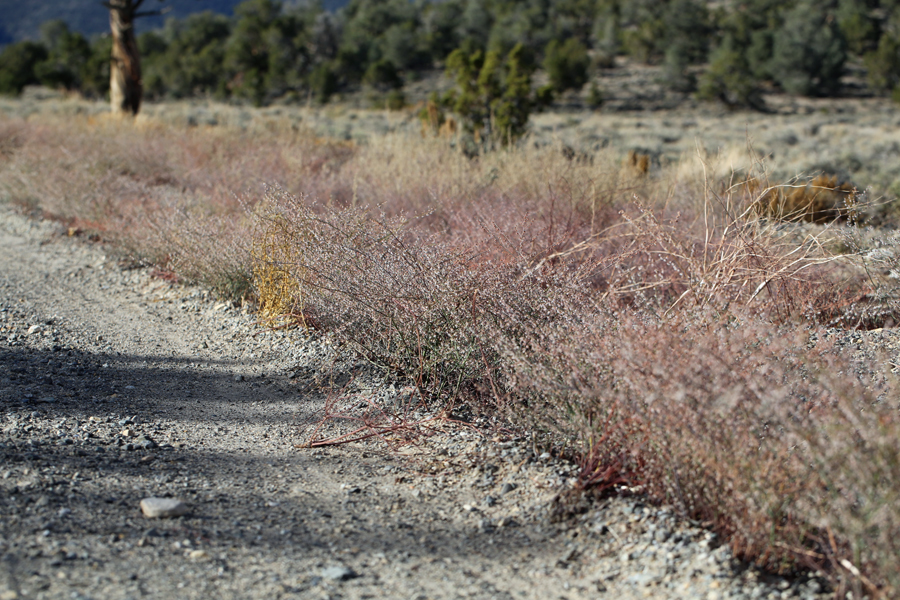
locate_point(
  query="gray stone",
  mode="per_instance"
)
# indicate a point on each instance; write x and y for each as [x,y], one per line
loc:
[154,508]
[507,488]
[338,574]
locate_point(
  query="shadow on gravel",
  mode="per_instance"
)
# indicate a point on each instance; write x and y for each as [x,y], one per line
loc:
[81,486]
[287,518]
[66,382]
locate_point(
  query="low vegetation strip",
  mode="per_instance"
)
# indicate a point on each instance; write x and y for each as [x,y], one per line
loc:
[671,331]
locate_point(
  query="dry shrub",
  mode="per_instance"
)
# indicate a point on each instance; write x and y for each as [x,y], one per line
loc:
[406,298]
[820,200]
[669,351]
[637,163]
[279,292]
[780,448]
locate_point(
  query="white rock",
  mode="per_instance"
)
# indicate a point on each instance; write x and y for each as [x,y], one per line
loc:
[162,507]
[338,573]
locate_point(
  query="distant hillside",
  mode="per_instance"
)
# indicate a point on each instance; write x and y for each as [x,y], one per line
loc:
[20,20]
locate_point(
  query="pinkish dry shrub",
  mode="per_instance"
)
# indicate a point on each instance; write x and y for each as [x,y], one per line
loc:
[782,448]
[166,196]
[664,350]
[407,298]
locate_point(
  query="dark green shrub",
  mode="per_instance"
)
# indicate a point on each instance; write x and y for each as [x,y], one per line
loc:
[382,75]
[395,100]
[687,27]
[544,96]
[605,38]
[809,51]
[883,64]
[595,96]
[675,69]
[95,76]
[858,25]
[567,64]
[323,82]
[68,53]
[729,79]
[17,66]
[643,28]
[643,41]
[493,97]
[512,109]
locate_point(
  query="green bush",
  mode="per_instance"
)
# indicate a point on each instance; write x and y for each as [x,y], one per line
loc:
[185,59]
[675,69]
[67,58]
[493,97]
[323,82]
[595,97]
[395,100]
[883,64]
[858,25]
[95,76]
[383,75]
[809,51]
[566,64]
[605,39]
[687,28]
[729,79]
[17,66]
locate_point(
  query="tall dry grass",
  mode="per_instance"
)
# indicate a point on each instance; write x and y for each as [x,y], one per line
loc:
[655,322]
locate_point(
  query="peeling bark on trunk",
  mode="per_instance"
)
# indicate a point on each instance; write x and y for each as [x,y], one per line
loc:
[125,87]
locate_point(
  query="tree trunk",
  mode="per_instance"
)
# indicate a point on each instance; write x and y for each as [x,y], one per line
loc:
[125,87]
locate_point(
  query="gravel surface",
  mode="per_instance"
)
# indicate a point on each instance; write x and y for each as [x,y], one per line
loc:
[117,388]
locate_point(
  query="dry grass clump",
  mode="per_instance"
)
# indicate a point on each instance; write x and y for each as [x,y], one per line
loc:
[823,199]
[638,163]
[662,329]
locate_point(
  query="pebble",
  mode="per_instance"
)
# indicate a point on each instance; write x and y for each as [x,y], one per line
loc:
[338,573]
[507,488]
[154,508]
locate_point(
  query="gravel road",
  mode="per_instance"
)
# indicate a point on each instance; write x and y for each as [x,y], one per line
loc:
[116,386]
